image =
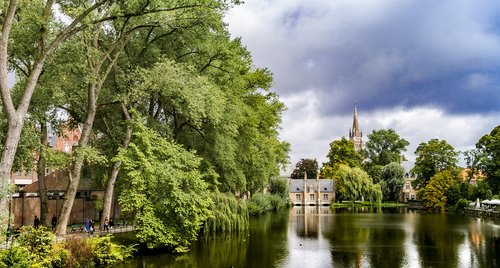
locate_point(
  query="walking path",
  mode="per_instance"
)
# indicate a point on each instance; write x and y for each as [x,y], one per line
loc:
[79,233]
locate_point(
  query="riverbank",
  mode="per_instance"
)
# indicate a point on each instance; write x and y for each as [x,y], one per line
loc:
[368,204]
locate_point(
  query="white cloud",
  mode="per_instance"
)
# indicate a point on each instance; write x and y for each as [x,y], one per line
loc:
[414,66]
[310,133]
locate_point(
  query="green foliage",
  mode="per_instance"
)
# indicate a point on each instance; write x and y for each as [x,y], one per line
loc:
[228,214]
[460,206]
[393,177]
[384,146]
[106,252]
[258,204]
[261,203]
[309,166]
[434,195]
[374,171]
[81,254]
[16,256]
[489,146]
[353,184]
[343,152]
[163,187]
[433,157]
[279,186]
[37,240]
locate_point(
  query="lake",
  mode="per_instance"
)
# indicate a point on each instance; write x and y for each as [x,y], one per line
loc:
[362,237]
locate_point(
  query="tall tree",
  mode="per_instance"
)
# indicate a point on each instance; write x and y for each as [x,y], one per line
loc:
[384,146]
[489,145]
[37,22]
[435,191]
[392,176]
[355,184]
[309,166]
[164,189]
[432,157]
[342,152]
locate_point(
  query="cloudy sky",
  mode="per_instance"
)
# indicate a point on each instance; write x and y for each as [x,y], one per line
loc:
[427,69]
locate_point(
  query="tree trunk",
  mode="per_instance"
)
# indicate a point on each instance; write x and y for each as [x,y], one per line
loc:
[75,173]
[41,166]
[109,192]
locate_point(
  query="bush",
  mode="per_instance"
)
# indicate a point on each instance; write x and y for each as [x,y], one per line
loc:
[16,256]
[460,206]
[105,252]
[258,204]
[80,253]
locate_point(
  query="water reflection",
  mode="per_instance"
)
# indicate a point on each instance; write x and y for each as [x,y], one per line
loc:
[357,237]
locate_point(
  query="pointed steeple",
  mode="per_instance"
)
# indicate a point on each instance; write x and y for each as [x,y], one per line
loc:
[355,134]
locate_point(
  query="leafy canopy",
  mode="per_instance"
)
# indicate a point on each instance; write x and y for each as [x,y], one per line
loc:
[164,188]
[433,157]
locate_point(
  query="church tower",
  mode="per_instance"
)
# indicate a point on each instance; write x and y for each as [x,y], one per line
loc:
[355,134]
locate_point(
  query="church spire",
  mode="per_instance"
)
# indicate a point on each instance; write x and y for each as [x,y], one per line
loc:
[355,134]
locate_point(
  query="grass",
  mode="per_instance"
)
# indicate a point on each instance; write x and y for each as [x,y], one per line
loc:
[346,204]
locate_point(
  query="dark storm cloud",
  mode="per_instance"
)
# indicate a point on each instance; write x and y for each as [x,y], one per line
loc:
[381,54]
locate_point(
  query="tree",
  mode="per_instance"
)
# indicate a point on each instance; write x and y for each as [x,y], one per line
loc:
[279,186]
[473,159]
[354,184]
[164,188]
[434,196]
[36,32]
[489,145]
[384,146]
[433,157]
[342,152]
[393,177]
[309,166]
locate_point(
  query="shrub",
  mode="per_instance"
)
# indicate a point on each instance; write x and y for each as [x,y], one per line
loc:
[106,252]
[38,241]
[16,256]
[258,204]
[80,253]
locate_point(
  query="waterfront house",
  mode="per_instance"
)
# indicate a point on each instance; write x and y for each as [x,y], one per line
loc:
[311,192]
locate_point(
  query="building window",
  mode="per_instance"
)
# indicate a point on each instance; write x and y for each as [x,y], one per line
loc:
[297,197]
[412,197]
[325,197]
[298,189]
[407,186]
[325,188]
[311,196]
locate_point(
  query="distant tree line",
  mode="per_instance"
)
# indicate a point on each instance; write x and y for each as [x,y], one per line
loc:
[376,173]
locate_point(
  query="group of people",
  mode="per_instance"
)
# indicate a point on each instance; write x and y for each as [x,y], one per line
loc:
[88,224]
[53,221]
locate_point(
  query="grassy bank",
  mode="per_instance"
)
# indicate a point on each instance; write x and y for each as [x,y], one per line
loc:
[368,204]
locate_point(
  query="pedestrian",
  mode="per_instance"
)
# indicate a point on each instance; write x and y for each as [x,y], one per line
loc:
[36,223]
[91,227]
[106,225]
[54,222]
[86,225]
[111,224]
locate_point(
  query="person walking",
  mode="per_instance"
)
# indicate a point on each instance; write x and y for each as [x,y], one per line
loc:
[86,225]
[36,223]
[91,227]
[54,222]
[106,225]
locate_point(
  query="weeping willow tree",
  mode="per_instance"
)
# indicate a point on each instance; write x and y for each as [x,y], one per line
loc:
[228,214]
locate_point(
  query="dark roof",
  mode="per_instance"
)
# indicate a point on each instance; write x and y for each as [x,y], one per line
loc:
[297,185]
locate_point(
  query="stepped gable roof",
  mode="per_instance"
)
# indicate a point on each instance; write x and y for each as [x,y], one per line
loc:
[58,181]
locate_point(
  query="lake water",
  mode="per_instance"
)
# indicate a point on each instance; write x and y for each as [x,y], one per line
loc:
[320,237]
